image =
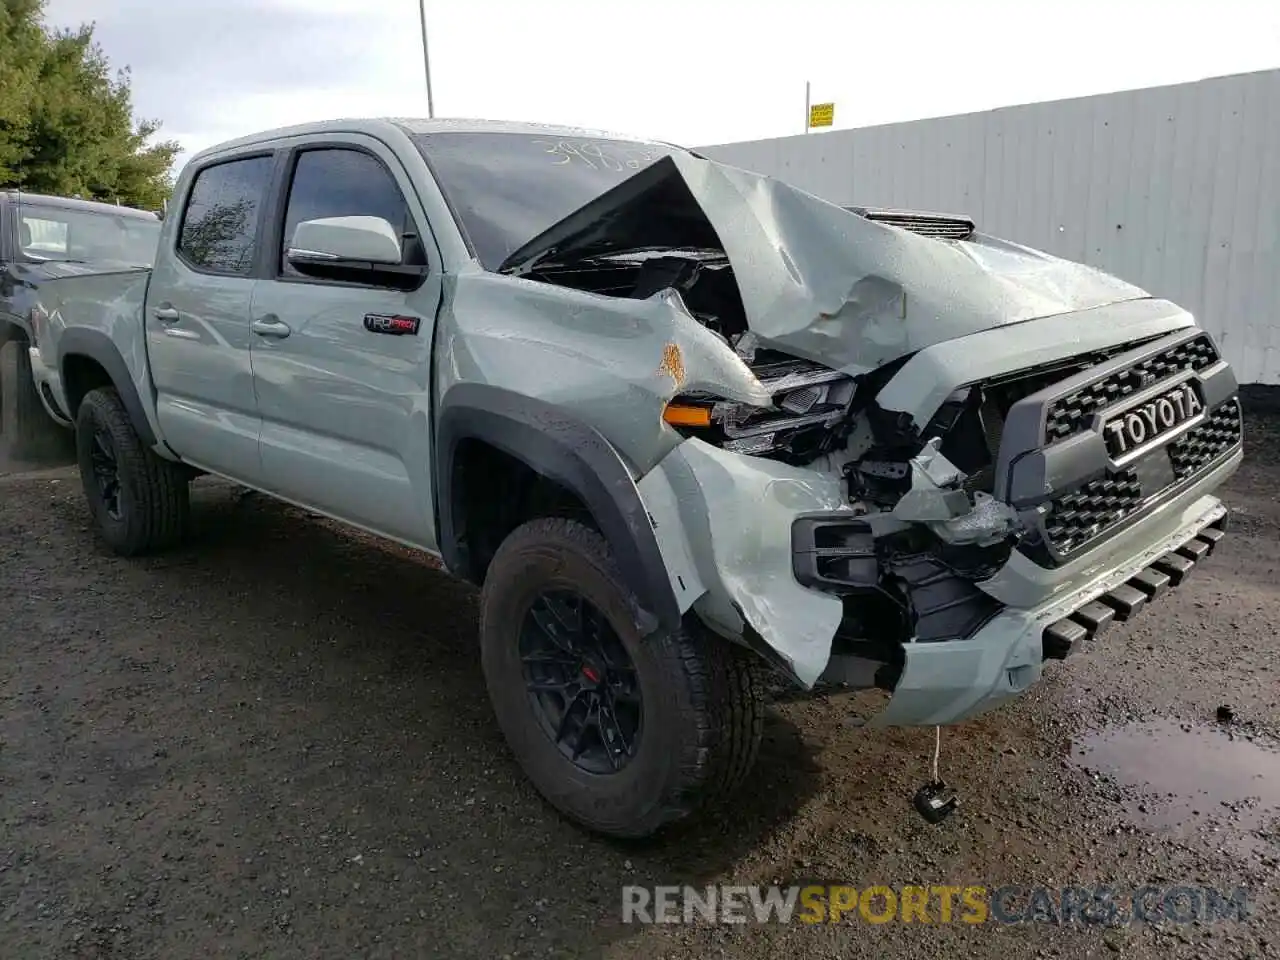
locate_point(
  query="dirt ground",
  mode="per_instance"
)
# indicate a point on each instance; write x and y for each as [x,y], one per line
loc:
[275,743]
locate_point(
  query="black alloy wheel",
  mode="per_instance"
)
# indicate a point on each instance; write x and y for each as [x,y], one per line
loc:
[622,731]
[139,501]
[581,682]
[106,472]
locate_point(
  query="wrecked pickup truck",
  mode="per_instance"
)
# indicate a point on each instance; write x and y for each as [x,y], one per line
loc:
[680,421]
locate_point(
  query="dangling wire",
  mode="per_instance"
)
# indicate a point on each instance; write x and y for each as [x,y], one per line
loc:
[937,750]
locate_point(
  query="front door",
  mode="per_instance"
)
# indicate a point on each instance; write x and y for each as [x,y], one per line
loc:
[345,402]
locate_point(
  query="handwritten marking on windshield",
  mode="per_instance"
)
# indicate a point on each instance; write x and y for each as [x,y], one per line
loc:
[596,155]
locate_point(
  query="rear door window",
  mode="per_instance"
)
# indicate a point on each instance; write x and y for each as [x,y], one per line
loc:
[220,226]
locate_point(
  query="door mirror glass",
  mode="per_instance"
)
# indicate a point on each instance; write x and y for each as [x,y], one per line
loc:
[328,242]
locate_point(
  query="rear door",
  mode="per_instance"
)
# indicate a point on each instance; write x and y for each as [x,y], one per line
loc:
[197,319]
[345,405]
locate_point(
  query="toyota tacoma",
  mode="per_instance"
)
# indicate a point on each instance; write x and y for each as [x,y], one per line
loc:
[686,426]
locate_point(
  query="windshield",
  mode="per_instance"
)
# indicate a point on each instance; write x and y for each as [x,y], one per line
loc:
[506,188]
[88,236]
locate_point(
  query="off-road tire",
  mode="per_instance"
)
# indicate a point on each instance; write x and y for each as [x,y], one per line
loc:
[154,493]
[26,428]
[702,695]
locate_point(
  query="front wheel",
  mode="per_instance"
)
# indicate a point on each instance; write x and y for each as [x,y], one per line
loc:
[139,501]
[621,733]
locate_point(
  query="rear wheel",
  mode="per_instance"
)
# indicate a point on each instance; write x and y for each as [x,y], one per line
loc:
[139,501]
[620,733]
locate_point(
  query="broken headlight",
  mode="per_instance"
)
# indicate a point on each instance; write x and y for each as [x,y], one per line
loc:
[810,406]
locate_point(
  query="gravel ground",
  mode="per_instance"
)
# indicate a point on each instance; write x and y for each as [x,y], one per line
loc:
[275,743]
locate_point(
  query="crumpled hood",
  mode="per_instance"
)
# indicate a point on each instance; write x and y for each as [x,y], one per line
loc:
[818,280]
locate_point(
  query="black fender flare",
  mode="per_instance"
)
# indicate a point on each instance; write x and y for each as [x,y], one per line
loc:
[97,346]
[572,454]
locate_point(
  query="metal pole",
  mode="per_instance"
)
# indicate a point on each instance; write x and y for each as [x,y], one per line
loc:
[426,59]
[806,106]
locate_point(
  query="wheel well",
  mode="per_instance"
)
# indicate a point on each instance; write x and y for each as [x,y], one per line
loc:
[495,493]
[80,374]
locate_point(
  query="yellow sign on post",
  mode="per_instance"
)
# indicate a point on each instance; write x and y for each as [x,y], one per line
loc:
[822,114]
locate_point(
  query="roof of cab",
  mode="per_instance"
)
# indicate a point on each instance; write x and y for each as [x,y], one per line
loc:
[73,203]
[377,125]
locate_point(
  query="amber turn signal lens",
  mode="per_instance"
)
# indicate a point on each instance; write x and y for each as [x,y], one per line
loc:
[681,415]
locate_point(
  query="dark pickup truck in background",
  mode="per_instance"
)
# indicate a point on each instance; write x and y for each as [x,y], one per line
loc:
[45,238]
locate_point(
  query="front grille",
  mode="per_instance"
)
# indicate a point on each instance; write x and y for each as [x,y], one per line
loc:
[1076,518]
[1201,446]
[1070,414]
[1080,516]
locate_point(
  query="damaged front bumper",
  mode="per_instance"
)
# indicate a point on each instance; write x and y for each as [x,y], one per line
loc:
[943,683]
[928,602]
[725,524]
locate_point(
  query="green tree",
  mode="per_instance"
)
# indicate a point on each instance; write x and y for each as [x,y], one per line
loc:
[21,47]
[66,122]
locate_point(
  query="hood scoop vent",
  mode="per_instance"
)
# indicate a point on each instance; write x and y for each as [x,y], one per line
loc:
[940,226]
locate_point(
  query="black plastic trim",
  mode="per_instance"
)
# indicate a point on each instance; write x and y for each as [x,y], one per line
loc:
[97,346]
[1063,638]
[856,552]
[1151,582]
[1125,601]
[1174,566]
[837,553]
[1039,475]
[569,452]
[53,403]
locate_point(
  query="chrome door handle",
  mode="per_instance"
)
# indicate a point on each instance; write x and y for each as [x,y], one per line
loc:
[166,314]
[271,326]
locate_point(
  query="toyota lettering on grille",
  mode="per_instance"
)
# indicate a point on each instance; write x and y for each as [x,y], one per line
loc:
[1142,424]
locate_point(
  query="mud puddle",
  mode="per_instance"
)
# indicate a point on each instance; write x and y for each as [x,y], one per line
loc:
[1216,782]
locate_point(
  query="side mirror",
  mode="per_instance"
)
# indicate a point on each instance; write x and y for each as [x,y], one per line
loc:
[367,239]
[364,250]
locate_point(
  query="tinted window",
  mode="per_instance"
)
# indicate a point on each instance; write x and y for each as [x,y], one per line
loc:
[507,188]
[341,183]
[221,221]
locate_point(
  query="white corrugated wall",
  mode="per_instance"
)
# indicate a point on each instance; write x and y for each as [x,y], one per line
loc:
[1176,189]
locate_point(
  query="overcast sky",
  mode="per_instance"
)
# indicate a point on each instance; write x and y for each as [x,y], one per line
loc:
[695,72]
